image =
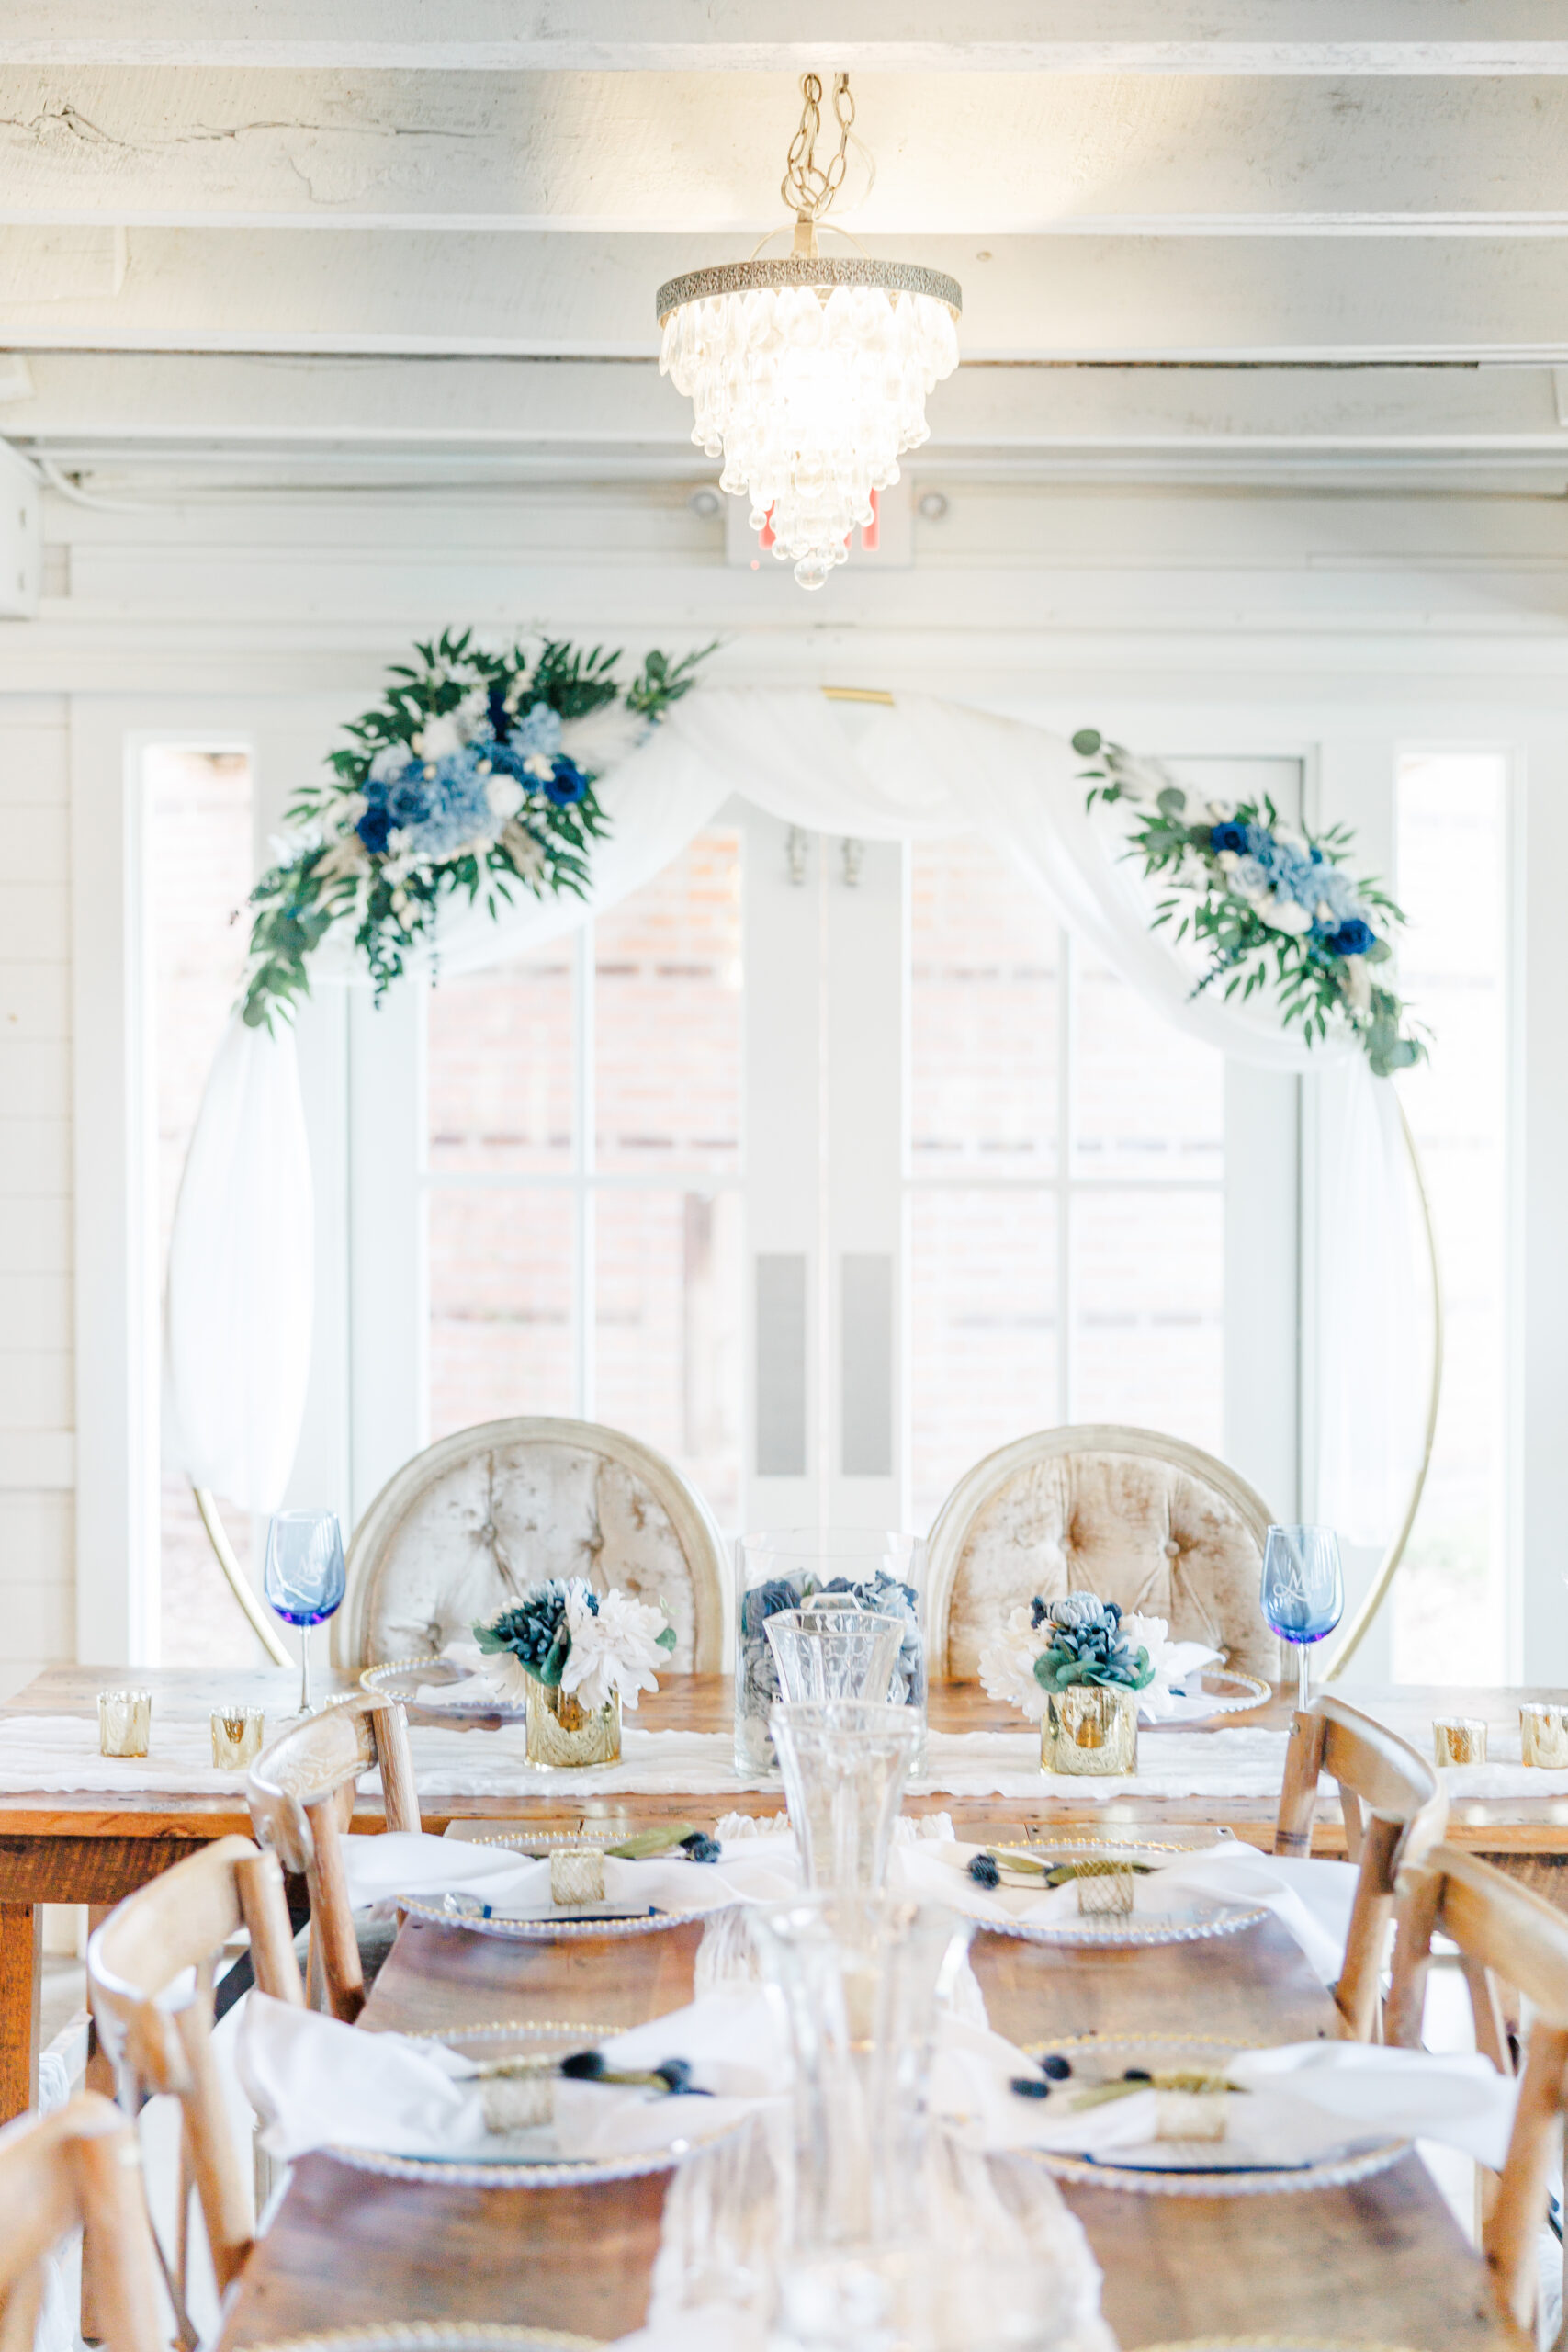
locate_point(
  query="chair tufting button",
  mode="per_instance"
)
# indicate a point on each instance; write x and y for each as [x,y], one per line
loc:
[1173,1549]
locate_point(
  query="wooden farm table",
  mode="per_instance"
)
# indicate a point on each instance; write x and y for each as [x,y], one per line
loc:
[1383,2262]
[92,1848]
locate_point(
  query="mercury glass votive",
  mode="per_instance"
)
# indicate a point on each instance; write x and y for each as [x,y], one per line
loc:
[236,1736]
[1543,1733]
[125,1722]
[1459,1739]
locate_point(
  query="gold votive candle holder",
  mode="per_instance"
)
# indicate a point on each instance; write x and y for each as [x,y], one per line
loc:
[236,1737]
[1543,1733]
[577,1874]
[125,1722]
[1459,1739]
[1104,1890]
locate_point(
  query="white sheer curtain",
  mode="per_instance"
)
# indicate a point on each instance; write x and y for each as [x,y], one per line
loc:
[238,1324]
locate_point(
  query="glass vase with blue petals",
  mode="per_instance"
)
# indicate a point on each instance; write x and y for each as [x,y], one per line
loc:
[1302,1591]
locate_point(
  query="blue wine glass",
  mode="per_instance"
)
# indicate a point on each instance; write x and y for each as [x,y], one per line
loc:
[1303,1590]
[305,1578]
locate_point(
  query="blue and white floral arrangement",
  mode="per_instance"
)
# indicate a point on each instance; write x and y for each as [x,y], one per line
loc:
[757,1679]
[474,776]
[592,1646]
[1270,904]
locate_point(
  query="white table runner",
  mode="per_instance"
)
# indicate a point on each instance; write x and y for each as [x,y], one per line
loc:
[56,1754]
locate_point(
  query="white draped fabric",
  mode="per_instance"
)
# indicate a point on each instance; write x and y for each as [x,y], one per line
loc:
[237,1323]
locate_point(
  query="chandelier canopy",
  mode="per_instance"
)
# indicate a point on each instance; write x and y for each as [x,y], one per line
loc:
[809,376]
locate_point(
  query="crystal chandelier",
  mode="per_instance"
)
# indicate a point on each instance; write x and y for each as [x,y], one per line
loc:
[809,376]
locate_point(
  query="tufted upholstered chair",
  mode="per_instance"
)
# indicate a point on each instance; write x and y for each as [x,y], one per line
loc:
[1135,1517]
[475,1519]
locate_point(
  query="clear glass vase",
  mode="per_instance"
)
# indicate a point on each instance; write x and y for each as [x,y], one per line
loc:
[862,1984]
[778,1572]
[845,1762]
[561,1735]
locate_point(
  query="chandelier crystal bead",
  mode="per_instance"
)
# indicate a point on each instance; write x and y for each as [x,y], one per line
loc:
[809,376]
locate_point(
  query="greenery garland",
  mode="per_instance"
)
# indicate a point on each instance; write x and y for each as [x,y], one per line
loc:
[1270,903]
[474,773]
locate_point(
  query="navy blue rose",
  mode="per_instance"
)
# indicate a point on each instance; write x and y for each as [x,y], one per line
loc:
[1352,938]
[374,827]
[565,785]
[1227,836]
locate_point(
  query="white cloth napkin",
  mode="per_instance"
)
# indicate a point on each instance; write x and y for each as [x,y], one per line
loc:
[406,1862]
[1311,1899]
[1297,2102]
[315,2082]
[1165,1701]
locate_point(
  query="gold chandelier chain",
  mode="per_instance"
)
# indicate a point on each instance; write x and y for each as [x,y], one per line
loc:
[808,188]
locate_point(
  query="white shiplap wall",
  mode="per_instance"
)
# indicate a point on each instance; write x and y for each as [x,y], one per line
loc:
[37,1403]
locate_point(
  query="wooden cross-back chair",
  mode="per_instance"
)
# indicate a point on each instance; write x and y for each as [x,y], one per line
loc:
[1394,1809]
[78,2167]
[158,2035]
[1507,1936]
[302,1798]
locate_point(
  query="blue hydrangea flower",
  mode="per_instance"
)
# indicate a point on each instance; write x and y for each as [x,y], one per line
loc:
[538,731]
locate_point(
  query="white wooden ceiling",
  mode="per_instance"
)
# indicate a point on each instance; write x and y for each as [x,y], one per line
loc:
[1236,239]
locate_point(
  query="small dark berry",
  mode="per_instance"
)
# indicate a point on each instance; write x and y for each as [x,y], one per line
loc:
[1137,2075]
[1027,2087]
[698,1848]
[983,1872]
[1057,2068]
[676,2075]
[583,2066]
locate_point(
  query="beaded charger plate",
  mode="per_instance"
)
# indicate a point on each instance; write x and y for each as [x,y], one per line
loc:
[432,2336]
[565,1926]
[1227,2167]
[1191,1919]
[1222,1690]
[532,2158]
[400,1678]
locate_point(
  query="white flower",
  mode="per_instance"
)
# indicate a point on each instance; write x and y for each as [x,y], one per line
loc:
[1284,914]
[505,796]
[1220,812]
[346,855]
[615,1650]
[390,760]
[1007,1666]
[439,737]
[541,765]
[1151,1634]
[1227,860]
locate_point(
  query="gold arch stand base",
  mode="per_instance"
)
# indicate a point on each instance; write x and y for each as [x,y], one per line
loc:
[239,1583]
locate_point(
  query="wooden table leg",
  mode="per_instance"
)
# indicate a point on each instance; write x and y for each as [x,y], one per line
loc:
[100,2076]
[21,1957]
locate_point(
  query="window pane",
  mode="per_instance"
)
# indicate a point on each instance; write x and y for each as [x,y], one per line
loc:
[1148,1325]
[1148,1101]
[983,1003]
[666,1016]
[501,1305]
[983,1342]
[668,1330]
[1453,878]
[500,1072]
[198,869]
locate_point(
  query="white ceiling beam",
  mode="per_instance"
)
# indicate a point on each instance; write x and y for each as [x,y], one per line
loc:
[1373,37]
[982,153]
[1201,299]
[77,402]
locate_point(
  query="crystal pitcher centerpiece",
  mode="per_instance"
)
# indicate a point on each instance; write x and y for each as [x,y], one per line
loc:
[780,1574]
